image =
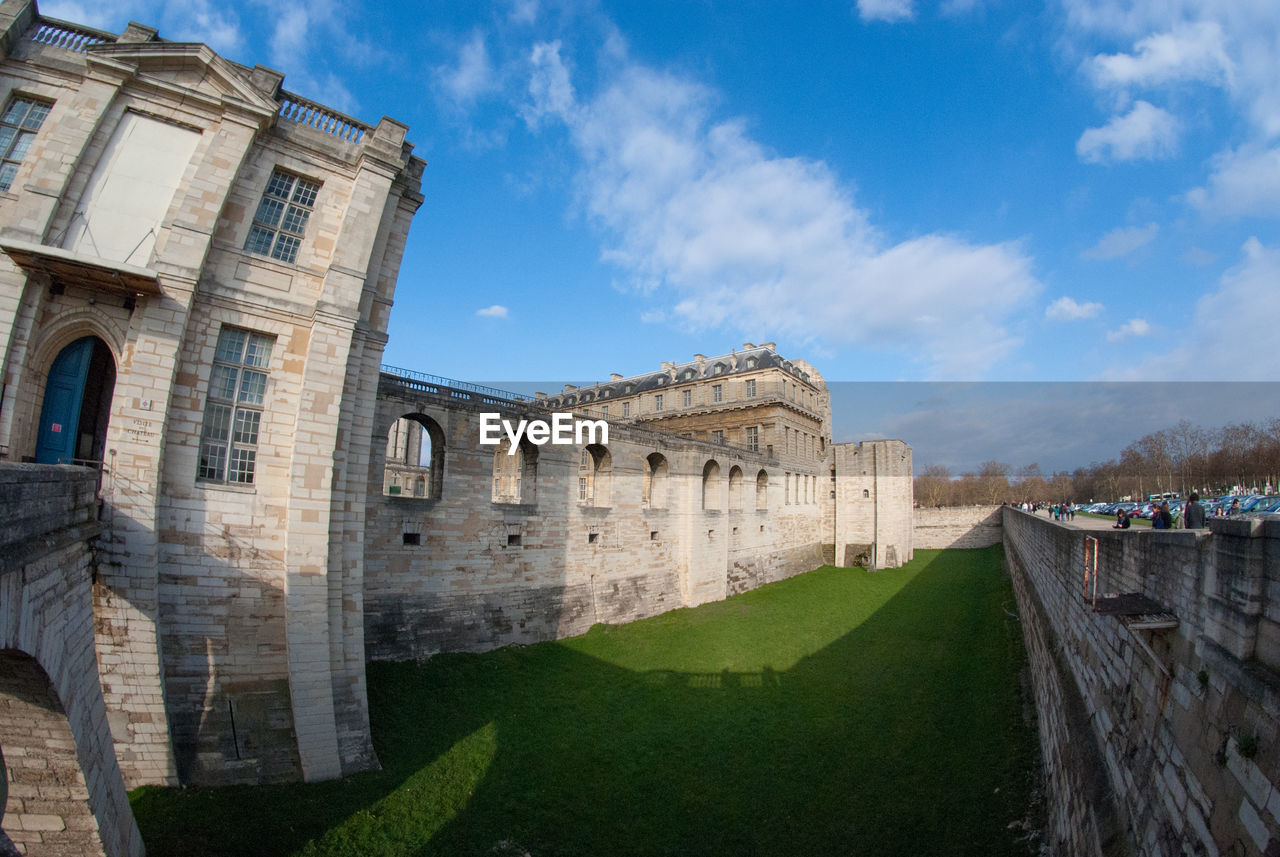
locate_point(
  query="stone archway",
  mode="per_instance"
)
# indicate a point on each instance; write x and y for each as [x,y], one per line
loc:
[47,810]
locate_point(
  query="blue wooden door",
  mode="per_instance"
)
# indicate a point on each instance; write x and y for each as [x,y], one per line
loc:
[63,395]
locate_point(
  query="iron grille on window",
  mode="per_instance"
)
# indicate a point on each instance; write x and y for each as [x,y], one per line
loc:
[21,120]
[233,410]
[281,218]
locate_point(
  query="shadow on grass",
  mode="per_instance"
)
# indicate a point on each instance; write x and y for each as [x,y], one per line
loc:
[903,734]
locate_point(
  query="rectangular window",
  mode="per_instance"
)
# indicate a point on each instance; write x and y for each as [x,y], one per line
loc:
[21,120]
[604,412]
[582,487]
[657,402]
[753,438]
[687,398]
[626,409]
[751,389]
[281,219]
[718,436]
[717,392]
[233,409]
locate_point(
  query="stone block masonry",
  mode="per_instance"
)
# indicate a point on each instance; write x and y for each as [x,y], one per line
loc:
[66,794]
[1156,742]
[957,527]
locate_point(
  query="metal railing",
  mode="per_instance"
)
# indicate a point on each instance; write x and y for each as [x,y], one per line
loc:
[306,112]
[445,385]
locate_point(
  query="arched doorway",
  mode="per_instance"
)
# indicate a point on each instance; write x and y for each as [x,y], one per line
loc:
[77,403]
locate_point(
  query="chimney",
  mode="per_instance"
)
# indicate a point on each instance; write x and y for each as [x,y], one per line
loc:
[747,346]
[614,376]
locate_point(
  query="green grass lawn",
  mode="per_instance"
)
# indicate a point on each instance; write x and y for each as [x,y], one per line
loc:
[838,712]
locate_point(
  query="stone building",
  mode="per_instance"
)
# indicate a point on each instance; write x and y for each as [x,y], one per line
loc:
[196,272]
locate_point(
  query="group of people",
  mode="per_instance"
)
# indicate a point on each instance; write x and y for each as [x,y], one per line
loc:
[1058,511]
[1162,519]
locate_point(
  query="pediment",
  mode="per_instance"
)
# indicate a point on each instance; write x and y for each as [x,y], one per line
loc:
[196,70]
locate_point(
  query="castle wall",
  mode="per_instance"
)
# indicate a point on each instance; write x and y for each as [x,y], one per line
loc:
[1155,741]
[448,573]
[957,527]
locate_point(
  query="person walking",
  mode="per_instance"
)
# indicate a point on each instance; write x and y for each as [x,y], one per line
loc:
[1193,515]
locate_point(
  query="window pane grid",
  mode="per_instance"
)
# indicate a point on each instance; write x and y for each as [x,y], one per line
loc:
[228,452]
[24,114]
[281,219]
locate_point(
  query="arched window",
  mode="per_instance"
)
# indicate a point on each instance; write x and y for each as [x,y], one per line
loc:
[595,476]
[654,491]
[711,485]
[762,491]
[515,476]
[415,458]
[866,494]
[735,489]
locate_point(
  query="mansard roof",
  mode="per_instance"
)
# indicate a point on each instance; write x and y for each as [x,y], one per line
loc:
[750,359]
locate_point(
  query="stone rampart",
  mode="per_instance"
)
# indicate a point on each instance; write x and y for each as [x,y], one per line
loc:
[66,794]
[1155,741]
[462,570]
[957,527]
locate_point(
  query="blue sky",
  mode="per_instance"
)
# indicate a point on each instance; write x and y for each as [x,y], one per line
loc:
[916,190]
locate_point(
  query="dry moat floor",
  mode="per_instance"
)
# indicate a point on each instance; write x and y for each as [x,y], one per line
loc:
[838,712]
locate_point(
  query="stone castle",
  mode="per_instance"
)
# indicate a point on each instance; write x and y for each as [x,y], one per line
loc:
[196,272]
[216,505]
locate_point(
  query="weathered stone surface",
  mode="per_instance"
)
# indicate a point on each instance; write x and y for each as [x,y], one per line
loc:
[1185,719]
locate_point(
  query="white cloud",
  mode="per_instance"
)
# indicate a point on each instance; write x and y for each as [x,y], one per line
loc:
[886,10]
[1188,52]
[1132,328]
[1198,257]
[524,11]
[1231,45]
[550,89]
[1243,182]
[471,77]
[697,213]
[1229,326]
[495,311]
[954,8]
[1122,242]
[1145,133]
[1066,309]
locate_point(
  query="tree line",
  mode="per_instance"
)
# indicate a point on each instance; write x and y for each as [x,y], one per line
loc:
[1184,458]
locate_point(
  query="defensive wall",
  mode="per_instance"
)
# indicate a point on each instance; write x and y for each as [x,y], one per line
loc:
[1155,741]
[957,527]
[66,795]
[670,522]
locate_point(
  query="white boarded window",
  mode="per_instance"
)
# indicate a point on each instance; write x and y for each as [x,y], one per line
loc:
[131,190]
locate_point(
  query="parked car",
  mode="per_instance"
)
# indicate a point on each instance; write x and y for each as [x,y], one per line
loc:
[1266,506]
